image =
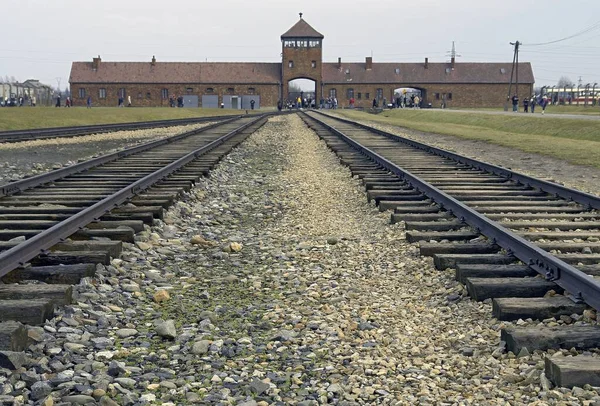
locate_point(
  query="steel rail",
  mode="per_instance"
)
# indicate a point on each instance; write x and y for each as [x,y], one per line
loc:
[582,287]
[59,132]
[586,199]
[20,254]
[34,181]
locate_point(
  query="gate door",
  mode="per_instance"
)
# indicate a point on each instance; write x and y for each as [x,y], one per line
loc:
[246,102]
[210,101]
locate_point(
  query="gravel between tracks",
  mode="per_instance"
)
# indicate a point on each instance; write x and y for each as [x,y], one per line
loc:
[284,287]
[575,176]
[29,158]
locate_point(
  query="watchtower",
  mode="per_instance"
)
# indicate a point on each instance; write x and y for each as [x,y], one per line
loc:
[302,56]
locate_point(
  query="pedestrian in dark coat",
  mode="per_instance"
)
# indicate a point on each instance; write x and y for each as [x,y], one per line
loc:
[525,105]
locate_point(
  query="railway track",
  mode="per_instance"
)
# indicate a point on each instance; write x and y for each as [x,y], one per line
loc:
[61,132]
[529,246]
[56,227]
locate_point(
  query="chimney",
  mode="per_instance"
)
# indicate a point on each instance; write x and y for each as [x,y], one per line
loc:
[153,60]
[339,65]
[426,63]
[369,62]
[96,62]
[452,61]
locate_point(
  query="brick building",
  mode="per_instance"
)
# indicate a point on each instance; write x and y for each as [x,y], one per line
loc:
[236,83]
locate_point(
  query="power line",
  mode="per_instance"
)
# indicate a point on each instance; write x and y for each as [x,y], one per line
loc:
[594,26]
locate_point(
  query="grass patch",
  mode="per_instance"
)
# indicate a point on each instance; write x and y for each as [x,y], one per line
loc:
[572,140]
[572,109]
[19,118]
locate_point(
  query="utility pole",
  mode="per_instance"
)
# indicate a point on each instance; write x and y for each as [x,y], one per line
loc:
[58,79]
[514,72]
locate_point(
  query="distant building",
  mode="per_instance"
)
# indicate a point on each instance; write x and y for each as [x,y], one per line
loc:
[28,89]
[153,83]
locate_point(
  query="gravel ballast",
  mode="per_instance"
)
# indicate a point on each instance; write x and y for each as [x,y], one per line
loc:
[28,158]
[579,177]
[274,282]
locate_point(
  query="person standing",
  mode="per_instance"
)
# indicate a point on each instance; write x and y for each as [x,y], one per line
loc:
[526,105]
[515,103]
[33,101]
[335,103]
[129,101]
[252,104]
[532,103]
[375,103]
[416,102]
[544,103]
[57,101]
[89,102]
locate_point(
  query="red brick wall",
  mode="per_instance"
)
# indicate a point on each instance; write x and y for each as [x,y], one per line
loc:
[463,95]
[302,58]
[269,94]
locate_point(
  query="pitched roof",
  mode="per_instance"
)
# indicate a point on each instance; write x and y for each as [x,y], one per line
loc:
[302,29]
[176,72]
[471,72]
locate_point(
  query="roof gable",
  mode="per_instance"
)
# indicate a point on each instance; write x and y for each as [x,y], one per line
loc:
[302,29]
[176,72]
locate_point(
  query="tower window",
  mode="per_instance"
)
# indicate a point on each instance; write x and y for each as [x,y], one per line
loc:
[290,64]
[314,43]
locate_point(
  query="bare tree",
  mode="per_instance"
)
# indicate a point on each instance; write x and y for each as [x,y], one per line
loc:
[294,88]
[563,81]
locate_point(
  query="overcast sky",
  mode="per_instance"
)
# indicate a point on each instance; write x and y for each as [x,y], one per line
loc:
[40,38]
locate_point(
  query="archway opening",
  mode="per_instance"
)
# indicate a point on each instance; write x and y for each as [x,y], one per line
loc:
[301,93]
[407,97]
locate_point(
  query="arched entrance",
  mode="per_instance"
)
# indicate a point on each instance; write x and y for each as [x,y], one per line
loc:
[405,97]
[303,89]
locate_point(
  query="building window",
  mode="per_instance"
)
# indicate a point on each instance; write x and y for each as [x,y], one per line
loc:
[449,96]
[289,43]
[189,90]
[367,95]
[290,64]
[437,96]
[347,71]
[313,64]
[251,90]
[102,93]
[350,93]
[148,95]
[140,95]
[359,95]
[164,94]
[397,70]
[230,90]
[332,93]
[81,92]
[313,43]
[121,92]
[210,90]
[379,94]
[302,43]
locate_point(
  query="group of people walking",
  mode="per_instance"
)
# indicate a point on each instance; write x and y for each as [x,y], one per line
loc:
[530,103]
